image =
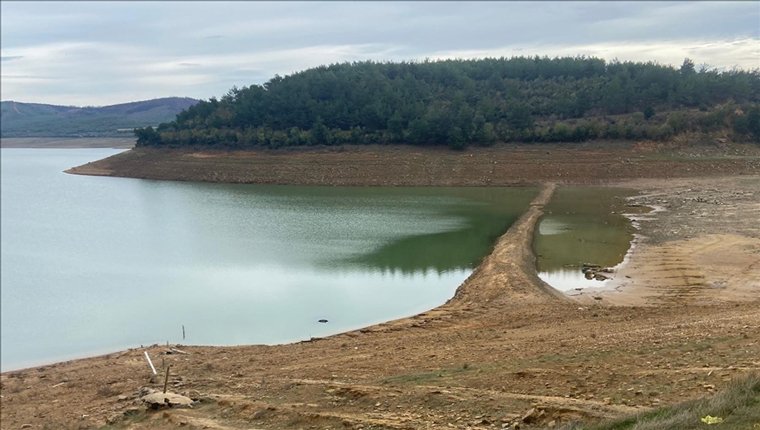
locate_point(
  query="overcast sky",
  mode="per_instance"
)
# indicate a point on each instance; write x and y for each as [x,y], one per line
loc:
[99,53]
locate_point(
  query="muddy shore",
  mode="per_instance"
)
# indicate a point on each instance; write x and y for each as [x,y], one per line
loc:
[506,349]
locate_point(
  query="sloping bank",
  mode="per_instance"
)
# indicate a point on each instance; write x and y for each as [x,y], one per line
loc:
[405,165]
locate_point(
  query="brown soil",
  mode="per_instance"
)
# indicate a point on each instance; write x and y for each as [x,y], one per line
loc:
[506,349]
[408,165]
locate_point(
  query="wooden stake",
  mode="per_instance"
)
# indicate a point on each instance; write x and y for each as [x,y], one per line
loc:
[183,332]
[166,380]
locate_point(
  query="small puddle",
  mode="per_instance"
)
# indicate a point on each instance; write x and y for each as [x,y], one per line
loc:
[584,237]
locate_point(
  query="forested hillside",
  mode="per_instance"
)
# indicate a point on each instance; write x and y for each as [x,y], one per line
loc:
[462,102]
[42,120]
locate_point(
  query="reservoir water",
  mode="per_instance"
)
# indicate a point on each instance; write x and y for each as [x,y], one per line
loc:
[582,225]
[95,264]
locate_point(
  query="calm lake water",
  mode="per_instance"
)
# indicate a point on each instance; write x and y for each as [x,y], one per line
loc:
[581,225]
[92,264]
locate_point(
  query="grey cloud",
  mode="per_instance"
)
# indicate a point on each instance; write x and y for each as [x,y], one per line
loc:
[201,49]
[11,57]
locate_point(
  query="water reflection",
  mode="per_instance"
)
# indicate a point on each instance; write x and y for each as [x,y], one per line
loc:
[462,248]
[92,264]
[582,225]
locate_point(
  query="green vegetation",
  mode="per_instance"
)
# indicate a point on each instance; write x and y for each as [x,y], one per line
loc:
[737,407]
[40,120]
[463,102]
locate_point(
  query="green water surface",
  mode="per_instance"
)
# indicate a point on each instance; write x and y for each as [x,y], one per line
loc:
[96,264]
[582,225]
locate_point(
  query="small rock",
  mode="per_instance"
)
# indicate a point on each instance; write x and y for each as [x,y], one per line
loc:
[532,415]
[158,399]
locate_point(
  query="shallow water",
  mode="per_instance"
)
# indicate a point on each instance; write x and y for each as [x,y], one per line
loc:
[581,225]
[95,264]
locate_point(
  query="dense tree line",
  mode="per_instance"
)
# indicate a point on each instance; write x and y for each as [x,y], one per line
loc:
[461,102]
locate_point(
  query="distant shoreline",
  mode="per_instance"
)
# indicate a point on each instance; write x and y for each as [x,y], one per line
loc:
[67,142]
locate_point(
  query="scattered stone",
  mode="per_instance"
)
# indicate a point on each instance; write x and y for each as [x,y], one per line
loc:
[158,399]
[533,415]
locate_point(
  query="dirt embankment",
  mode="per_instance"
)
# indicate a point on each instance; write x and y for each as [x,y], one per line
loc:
[505,350]
[408,165]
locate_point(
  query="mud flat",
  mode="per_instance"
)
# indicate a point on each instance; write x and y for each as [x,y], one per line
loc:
[506,349]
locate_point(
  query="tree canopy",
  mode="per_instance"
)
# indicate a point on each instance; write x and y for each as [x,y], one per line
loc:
[462,102]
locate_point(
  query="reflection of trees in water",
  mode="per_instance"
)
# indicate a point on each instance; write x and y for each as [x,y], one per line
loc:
[592,229]
[442,252]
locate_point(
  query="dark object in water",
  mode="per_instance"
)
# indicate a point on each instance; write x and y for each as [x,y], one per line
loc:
[323,321]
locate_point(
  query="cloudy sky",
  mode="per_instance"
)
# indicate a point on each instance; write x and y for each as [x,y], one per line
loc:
[100,53]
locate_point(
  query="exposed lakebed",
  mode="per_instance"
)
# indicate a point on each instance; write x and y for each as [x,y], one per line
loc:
[94,264]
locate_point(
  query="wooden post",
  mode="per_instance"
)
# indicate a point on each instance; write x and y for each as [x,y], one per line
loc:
[166,379]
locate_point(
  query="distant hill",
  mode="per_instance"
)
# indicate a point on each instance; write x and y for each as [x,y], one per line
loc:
[481,102]
[41,120]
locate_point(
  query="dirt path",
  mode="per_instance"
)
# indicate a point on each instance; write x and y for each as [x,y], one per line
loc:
[505,350]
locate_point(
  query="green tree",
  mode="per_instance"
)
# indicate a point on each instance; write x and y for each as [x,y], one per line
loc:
[147,137]
[320,135]
[687,67]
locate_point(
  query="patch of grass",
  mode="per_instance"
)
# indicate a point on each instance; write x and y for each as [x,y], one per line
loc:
[738,404]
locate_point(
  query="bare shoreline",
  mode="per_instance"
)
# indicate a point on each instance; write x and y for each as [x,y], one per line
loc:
[502,346]
[404,165]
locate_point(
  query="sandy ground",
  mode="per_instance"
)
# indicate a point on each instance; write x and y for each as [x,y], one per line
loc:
[506,350]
